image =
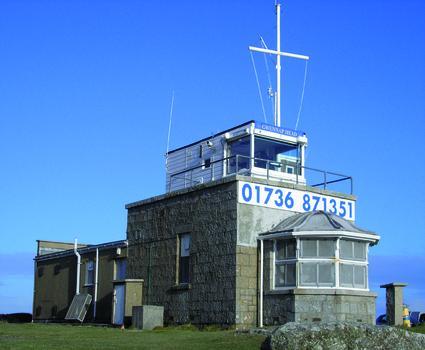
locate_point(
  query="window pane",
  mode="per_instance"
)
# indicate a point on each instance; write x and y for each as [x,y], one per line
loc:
[121,265]
[308,248]
[308,273]
[285,249]
[291,248]
[238,147]
[280,276]
[360,250]
[326,248]
[360,276]
[184,270]
[280,250]
[327,274]
[345,249]
[290,274]
[279,153]
[184,245]
[346,275]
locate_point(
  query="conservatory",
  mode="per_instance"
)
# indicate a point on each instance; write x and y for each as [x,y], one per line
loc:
[314,252]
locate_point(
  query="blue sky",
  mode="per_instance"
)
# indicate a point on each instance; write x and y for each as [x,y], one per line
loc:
[85,91]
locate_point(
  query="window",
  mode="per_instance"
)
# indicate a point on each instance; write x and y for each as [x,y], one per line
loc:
[207,163]
[352,276]
[184,258]
[352,250]
[280,155]
[317,274]
[120,269]
[318,248]
[241,148]
[285,271]
[89,273]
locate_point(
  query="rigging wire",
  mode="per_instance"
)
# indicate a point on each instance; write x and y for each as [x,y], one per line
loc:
[169,130]
[270,89]
[258,85]
[302,95]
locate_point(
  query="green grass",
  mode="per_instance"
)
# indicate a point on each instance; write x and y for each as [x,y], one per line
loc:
[54,336]
[418,329]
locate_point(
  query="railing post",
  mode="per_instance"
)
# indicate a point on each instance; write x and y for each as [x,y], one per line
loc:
[268,168]
[237,164]
[296,170]
[212,171]
[324,183]
[191,179]
[351,182]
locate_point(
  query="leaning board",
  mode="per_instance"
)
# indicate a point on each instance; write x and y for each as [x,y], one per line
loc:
[79,306]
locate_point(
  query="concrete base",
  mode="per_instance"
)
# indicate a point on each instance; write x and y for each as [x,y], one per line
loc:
[148,317]
[307,305]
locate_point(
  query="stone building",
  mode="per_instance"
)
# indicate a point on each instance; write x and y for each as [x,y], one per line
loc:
[243,236]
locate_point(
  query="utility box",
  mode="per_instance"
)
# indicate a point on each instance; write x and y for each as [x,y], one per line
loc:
[148,317]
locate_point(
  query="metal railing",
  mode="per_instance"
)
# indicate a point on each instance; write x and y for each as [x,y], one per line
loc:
[243,165]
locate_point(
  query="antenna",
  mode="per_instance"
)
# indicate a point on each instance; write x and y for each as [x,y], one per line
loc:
[278,53]
[169,130]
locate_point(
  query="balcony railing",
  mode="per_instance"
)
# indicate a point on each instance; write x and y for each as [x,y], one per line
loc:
[245,165]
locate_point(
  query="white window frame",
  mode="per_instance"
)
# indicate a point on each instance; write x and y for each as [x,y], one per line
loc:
[336,261]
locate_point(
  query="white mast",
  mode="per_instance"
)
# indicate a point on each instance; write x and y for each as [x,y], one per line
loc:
[278,53]
[278,67]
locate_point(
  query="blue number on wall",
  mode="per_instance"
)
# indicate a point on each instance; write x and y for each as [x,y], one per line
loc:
[279,201]
[246,196]
[306,204]
[332,202]
[269,191]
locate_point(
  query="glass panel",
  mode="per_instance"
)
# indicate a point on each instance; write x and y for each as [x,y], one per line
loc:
[308,248]
[184,245]
[326,274]
[360,250]
[308,273]
[285,249]
[238,147]
[346,275]
[121,266]
[280,250]
[290,274]
[345,249]
[360,276]
[279,153]
[326,248]
[280,276]
[291,248]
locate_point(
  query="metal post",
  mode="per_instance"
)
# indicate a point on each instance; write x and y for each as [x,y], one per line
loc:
[237,164]
[278,64]
[324,182]
[268,168]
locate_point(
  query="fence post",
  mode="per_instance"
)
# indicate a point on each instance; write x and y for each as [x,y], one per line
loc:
[324,183]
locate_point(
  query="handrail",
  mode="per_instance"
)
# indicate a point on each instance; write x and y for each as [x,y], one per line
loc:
[299,170]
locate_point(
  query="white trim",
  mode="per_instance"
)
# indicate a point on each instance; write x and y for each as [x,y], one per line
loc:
[324,234]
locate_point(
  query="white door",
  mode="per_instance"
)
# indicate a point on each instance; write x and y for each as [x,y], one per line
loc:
[118,304]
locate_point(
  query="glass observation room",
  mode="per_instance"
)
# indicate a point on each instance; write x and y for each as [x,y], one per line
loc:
[268,157]
[316,250]
[320,263]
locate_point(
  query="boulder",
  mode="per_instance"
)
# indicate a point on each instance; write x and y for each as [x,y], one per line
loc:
[341,336]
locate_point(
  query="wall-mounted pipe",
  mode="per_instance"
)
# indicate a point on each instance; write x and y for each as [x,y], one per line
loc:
[96,280]
[77,289]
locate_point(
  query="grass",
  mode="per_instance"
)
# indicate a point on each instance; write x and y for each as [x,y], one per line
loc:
[418,329]
[54,336]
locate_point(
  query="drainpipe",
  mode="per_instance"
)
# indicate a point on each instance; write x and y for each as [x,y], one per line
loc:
[96,282]
[261,281]
[77,291]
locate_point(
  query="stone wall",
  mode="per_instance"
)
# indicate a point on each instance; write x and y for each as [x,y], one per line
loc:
[208,213]
[305,305]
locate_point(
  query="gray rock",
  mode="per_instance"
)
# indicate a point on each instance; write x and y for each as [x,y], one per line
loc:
[342,336]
